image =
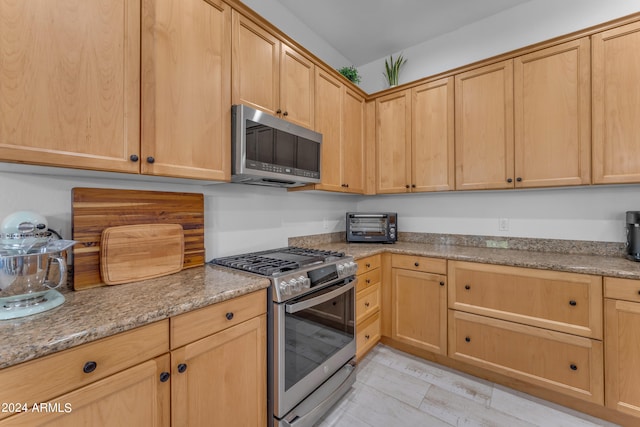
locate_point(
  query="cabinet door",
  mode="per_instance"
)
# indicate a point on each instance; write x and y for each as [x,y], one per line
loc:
[255,65]
[622,341]
[134,397]
[186,103]
[328,112]
[484,127]
[393,142]
[616,90]
[553,116]
[70,83]
[297,74]
[353,142]
[432,136]
[224,383]
[419,310]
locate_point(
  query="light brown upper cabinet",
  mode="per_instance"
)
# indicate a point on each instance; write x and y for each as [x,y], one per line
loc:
[616,105]
[339,116]
[484,127]
[186,94]
[70,83]
[415,139]
[270,75]
[552,93]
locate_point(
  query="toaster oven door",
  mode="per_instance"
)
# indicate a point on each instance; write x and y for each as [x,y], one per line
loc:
[368,227]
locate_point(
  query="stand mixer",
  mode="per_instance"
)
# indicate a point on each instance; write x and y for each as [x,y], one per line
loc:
[28,257]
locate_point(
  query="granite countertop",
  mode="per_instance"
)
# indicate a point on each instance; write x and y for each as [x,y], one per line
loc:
[96,313]
[612,266]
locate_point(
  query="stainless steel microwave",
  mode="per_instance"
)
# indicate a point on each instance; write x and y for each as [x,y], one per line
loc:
[267,150]
[371,227]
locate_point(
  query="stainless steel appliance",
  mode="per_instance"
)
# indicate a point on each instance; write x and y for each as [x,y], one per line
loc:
[372,227]
[267,150]
[633,235]
[312,347]
[28,258]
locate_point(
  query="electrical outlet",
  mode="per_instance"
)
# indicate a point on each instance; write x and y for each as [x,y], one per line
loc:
[503,224]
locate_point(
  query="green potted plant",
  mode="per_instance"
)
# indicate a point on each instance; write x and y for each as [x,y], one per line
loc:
[392,69]
[351,73]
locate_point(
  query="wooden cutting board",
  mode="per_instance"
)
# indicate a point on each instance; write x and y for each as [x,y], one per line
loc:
[94,209]
[129,253]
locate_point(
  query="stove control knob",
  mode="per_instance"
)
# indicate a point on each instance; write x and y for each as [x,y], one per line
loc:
[353,267]
[295,285]
[285,288]
[305,282]
[341,271]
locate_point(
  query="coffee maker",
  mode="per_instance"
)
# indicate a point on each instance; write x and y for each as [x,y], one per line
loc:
[633,235]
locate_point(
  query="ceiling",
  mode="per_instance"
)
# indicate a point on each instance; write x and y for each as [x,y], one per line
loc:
[367,30]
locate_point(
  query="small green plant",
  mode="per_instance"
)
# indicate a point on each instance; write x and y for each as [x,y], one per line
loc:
[351,73]
[393,69]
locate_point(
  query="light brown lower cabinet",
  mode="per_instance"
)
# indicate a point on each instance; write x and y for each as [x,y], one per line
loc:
[368,302]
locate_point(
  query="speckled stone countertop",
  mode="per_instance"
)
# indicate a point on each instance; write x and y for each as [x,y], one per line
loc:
[96,313]
[613,266]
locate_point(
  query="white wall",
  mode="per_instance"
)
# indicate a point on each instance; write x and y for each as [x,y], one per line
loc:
[525,24]
[238,218]
[582,213]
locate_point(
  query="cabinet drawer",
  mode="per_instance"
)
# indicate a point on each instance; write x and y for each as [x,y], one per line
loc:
[367,302]
[368,264]
[626,289]
[368,279]
[565,363]
[197,324]
[368,335]
[418,263]
[565,302]
[42,379]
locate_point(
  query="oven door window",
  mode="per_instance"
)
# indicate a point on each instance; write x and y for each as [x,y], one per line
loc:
[314,334]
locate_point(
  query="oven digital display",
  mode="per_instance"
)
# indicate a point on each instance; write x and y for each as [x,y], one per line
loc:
[322,275]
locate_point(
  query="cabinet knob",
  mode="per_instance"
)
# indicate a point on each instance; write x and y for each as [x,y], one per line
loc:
[573,303]
[366,304]
[366,337]
[164,377]
[182,367]
[639,292]
[467,339]
[519,179]
[368,281]
[229,315]
[406,186]
[467,287]
[369,265]
[150,159]
[133,157]
[346,185]
[573,367]
[278,111]
[441,283]
[509,180]
[286,113]
[417,264]
[413,186]
[89,367]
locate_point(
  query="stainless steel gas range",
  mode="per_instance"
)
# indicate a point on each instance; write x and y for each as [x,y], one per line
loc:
[311,336]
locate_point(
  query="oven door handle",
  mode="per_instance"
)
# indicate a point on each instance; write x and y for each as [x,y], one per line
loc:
[303,305]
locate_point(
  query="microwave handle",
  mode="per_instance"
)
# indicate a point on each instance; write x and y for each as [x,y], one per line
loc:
[303,305]
[368,216]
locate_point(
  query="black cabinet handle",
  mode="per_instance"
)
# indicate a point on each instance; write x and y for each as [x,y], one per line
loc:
[164,377]
[413,186]
[573,303]
[366,304]
[417,264]
[133,157]
[467,339]
[406,186]
[150,159]
[286,113]
[467,287]
[519,179]
[89,367]
[441,283]
[509,180]
[638,292]
[573,367]
[278,111]
[182,367]
[346,185]
[368,281]
[366,337]
[369,265]
[229,315]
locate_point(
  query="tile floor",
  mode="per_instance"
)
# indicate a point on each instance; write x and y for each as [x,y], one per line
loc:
[397,389]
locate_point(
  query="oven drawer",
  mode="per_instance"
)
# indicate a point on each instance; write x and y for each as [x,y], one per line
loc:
[565,363]
[368,264]
[367,302]
[368,335]
[566,302]
[368,279]
[418,263]
[197,324]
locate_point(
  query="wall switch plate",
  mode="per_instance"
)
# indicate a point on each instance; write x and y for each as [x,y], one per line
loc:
[503,224]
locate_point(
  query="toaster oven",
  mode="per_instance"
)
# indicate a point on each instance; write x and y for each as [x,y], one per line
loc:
[381,227]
